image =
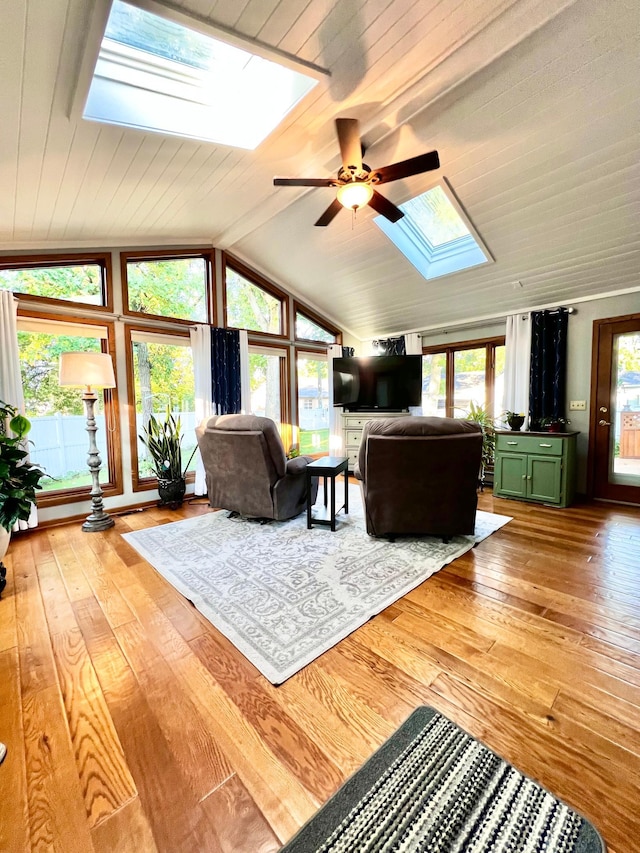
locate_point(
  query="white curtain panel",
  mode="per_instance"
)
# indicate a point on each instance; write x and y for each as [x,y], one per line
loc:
[413,344]
[10,379]
[335,424]
[517,361]
[245,389]
[201,351]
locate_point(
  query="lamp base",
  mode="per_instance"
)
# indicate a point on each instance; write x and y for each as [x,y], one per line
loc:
[97,522]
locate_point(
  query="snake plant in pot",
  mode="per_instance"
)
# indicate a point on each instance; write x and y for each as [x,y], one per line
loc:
[19,478]
[163,440]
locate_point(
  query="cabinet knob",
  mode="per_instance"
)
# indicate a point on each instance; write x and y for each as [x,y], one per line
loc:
[524,476]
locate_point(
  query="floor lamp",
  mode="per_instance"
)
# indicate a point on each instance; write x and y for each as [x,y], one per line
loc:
[90,370]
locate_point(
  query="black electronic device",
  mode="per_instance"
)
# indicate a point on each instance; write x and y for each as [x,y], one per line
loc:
[381,383]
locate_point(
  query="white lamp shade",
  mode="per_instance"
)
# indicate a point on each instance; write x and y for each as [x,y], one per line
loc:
[355,194]
[93,369]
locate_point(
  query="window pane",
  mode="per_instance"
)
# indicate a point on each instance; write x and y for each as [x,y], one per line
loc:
[163,376]
[172,288]
[434,368]
[469,380]
[313,418]
[498,392]
[251,307]
[264,373]
[625,410]
[73,283]
[58,422]
[307,330]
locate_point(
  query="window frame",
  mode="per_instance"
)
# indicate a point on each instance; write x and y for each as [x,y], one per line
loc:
[286,429]
[138,483]
[65,259]
[113,463]
[297,351]
[208,255]
[229,262]
[314,317]
[449,351]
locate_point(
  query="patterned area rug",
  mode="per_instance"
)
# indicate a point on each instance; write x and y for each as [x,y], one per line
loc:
[432,787]
[283,594]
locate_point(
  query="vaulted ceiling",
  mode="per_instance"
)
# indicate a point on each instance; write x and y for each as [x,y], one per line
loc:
[533,105]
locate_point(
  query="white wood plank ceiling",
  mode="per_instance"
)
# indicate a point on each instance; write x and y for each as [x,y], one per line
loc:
[533,105]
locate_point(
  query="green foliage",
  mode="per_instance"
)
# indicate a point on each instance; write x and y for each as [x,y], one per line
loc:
[172,288]
[481,416]
[250,306]
[75,283]
[19,479]
[164,443]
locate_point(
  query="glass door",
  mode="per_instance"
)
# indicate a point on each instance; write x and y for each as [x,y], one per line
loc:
[615,423]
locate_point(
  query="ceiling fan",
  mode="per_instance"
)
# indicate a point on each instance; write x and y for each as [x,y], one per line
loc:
[356,181]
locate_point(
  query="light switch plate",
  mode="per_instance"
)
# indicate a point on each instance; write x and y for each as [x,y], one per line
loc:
[578,406]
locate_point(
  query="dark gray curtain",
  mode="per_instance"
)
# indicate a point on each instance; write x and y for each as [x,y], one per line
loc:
[548,371]
[390,346]
[225,371]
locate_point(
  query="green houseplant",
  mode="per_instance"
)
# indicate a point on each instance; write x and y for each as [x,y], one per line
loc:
[19,478]
[163,440]
[480,415]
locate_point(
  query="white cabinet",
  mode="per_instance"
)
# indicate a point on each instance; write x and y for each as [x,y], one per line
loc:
[352,425]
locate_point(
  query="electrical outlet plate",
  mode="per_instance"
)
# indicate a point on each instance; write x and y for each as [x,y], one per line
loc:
[578,406]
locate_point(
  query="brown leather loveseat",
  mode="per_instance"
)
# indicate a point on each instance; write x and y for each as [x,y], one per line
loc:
[419,475]
[247,469]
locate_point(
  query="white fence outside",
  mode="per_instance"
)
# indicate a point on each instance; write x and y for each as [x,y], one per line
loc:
[60,444]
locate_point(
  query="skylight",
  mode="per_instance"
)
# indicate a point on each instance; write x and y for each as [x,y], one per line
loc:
[155,74]
[435,235]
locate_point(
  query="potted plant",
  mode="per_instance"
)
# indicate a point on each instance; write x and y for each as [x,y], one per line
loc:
[164,443]
[19,478]
[481,416]
[515,420]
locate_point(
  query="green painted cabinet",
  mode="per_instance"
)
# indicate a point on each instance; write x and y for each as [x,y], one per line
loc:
[535,466]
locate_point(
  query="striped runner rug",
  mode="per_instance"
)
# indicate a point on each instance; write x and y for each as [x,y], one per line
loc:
[432,787]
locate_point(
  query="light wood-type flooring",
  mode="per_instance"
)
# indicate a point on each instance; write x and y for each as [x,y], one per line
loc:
[133,726]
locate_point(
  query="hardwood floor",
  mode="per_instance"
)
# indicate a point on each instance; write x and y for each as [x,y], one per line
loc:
[133,726]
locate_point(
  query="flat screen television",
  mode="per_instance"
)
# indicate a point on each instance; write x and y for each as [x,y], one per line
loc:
[388,383]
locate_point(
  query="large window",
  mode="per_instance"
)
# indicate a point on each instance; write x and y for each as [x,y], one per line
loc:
[458,375]
[267,376]
[169,285]
[162,370]
[310,327]
[58,437]
[313,402]
[76,278]
[251,302]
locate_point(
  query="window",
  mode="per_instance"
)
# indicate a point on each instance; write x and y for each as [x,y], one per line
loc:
[267,372]
[162,372]
[252,303]
[58,437]
[310,327]
[78,278]
[435,234]
[156,73]
[313,402]
[168,285]
[455,376]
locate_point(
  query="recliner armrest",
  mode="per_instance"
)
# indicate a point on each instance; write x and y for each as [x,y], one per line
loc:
[298,464]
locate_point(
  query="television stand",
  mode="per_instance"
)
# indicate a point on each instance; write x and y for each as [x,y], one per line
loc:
[352,426]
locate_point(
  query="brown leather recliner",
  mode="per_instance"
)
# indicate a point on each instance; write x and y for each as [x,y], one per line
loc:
[420,476]
[247,469]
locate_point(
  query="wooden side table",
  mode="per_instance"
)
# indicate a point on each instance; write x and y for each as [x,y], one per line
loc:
[328,467]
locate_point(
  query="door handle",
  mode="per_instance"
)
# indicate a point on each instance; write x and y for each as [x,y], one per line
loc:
[604,423]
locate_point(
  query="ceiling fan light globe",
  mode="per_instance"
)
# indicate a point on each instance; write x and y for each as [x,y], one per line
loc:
[354,195]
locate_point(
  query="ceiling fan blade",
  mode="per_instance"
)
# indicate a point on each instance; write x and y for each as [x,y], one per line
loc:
[304,182]
[406,168]
[385,207]
[330,213]
[350,145]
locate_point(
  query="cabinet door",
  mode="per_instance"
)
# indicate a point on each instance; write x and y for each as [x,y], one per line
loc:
[544,478]
[511,475]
